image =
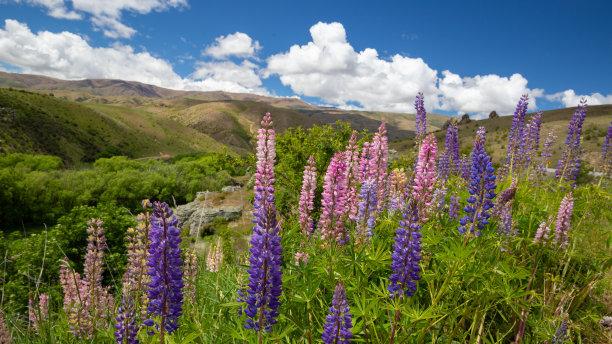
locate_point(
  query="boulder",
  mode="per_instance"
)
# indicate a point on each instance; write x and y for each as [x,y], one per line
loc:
[465,119]
[197,215]
[493,114]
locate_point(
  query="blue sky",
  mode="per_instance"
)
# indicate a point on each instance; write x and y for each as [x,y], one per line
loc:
[466,56]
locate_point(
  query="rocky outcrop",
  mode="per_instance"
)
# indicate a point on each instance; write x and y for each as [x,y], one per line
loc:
[465,119]
[493,114]
[199,214]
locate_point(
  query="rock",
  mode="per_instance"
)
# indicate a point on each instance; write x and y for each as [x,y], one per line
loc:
[465,119]
[230,188]
[493,114]
[606,322]
[196,215]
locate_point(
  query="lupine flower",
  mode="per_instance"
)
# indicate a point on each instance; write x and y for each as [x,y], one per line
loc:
[353,176]
[568,166]
[606,157]
[165,269]
[505,196]
[367,210]
[40,313]
[564,217]
[190,275]
[264,289]
[73,300]
[338,324]
[364,161]
[453,207]
[136,278]
[214,257]
[466,168]
[301,258]
[532,138]
[425,176]
[542,233]
[377,169]
[405,269]
[333,201]
[126,329]
[561,333]
[506,222]
[421,115]
[397,189]
[481,188]
[439,198]
[5,334]
[306,204]
[516,138]
[547,151]
[449,162]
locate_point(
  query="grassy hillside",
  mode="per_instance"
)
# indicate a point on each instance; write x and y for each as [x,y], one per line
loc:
[38,123]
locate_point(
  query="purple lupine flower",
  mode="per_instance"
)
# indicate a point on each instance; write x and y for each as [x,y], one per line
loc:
[516,139]
[506,222]
[532,138]
[126,330]
[465,168]
[333,202]
[606,157]
[265,277]
[564,217]
[165,270]
[481,188]
[560,334]
[438,198]
[546,153]
[453,207]
[421,116]
[542,233]
[568,166]
[450,161]
[505,196]
[425,176]
[338,323]
[366,217]
[352,176]
[306,203]
[364,161]
[377,167]
[406,254]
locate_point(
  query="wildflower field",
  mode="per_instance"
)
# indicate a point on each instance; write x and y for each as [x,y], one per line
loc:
[348,245]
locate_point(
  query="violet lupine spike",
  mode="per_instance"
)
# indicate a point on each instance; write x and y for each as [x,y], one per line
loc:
[353,176]
[126,329]
[542,233]
[439,198]
[568,166]
[450,161]
[563,222]
[506,222]
[421,115]
[306,203]
[546,153]
[265,276]
[333,202]
[453,207]
[165,270]
[366,217]
[606,157]
[338,323]
[532,138]
[465,168]
[560,334]
[481,188]
[377,169]
[397,189]
[516,138]
[405,269]
[505,196]
[425,176]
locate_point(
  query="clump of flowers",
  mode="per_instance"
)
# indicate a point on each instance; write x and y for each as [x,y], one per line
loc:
[214,257]
[306,203]
[190,275]
[265,282]
[516,137]
[338,324]
[165,270]
[397,189]
[563,222]
[367,210]
[481,188]
[333,201]
[37,314]
[568,166]
[405,269]
[425,176]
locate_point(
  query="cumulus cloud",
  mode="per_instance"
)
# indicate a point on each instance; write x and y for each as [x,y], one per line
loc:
[328,67]
[237,44]
[569,98]
[105,15]
[66,55]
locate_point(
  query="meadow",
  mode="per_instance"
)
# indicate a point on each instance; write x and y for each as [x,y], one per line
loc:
[434,244]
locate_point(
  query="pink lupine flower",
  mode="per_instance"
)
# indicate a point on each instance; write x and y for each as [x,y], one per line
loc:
[306,203]
[542,233]
[190,274]
[214,258]
[38,313]
[301,258]
[425,176]
[364,161]
[564,216]
[377,169]
[333,201]
[352,176]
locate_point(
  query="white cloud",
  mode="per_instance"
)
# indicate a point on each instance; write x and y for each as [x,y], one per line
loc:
[236,44]
[569,98]
[329,68]
[106,15]
[66,55]
[482,94]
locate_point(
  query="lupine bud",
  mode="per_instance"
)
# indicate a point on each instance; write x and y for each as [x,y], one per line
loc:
[165,270]
[568,166]
[265,279]
[516,138]
[481,188]
[367,210]
[542,233]
[333,201]
[405,269]
[190,275]
[425,176]
[306,203]
[421,116]
[564,216]
[214,258]
[338,324]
